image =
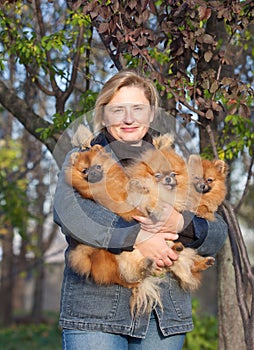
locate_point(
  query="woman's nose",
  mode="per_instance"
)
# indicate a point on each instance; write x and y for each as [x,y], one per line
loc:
[128,116]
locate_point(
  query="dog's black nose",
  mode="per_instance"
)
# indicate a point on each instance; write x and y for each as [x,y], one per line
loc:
[168,180]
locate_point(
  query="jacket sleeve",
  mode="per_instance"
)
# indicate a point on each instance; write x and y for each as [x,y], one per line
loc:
[88,222]
[214,238]
[206,236]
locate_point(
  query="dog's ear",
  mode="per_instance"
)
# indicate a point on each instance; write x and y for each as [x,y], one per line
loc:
[194,166]
[97,148]
[165,141]
[194,161]
[147,169]
[82,137]
[74,157]
[221,166]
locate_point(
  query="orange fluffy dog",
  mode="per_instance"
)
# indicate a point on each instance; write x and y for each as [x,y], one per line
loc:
[169,171]
[97,176]
[207,186]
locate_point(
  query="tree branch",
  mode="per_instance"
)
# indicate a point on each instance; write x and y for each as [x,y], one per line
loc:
[42,33]
[20,110]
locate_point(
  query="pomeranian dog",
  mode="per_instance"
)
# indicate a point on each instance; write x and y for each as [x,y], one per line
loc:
[170,172]
[97,176]
[164,170]
[207,185]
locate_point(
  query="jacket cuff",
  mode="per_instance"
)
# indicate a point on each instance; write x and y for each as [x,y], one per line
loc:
[187,235]
[200,230]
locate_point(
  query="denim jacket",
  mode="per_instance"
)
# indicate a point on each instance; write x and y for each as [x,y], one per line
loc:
[87,306]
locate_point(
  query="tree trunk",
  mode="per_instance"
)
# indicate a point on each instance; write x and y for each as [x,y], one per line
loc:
[231,335]
[7,279]
[244,281]
[37,312]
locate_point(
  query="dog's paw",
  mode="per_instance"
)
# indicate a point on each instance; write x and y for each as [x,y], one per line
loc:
[148,267]
[178,247]
[135,185]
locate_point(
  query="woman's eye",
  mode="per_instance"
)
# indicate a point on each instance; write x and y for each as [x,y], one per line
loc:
[118,110]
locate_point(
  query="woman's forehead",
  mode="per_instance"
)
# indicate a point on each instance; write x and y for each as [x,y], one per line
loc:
[129,94]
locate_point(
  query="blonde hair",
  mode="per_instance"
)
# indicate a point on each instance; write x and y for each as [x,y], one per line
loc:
[114,84]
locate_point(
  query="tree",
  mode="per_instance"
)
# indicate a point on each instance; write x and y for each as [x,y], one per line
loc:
[198,53]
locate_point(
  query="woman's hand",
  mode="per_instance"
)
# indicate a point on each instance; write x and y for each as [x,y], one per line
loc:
[155,247]
[170,221]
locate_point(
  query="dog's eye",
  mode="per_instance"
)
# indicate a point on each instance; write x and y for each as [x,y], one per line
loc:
[173,174]
[209,180]
[157,175]
[84,171]
[98,167]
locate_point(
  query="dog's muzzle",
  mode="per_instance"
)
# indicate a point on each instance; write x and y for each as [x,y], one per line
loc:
[202,187]
[95,174]
[170,182]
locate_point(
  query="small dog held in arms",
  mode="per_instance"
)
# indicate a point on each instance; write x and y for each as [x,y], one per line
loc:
[181,189]
[207,185]
[160,176]
[97,176]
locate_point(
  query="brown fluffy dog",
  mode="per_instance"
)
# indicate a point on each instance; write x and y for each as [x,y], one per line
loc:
[207,186]
[164,170]
[97,176]
[169,171]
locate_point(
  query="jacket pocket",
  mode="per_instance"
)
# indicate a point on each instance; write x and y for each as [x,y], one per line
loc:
[180,299]
[82,298]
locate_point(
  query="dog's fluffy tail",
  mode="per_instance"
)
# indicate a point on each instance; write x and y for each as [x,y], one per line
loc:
[82,137]
[146,296]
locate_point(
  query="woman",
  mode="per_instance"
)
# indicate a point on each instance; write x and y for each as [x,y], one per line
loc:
[98,317]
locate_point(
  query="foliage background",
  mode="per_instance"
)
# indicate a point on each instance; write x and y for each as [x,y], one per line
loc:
[54,58]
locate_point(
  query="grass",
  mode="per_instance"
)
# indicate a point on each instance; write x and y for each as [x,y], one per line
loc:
[31,337]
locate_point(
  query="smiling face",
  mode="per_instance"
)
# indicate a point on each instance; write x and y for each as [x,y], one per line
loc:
[128,115]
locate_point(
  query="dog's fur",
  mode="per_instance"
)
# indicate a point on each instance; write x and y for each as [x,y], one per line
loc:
[160,176]
[164,170]
[207,185]
[97,176]
[169,171]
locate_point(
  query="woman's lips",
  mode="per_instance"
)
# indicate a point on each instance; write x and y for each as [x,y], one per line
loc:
[132,129]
